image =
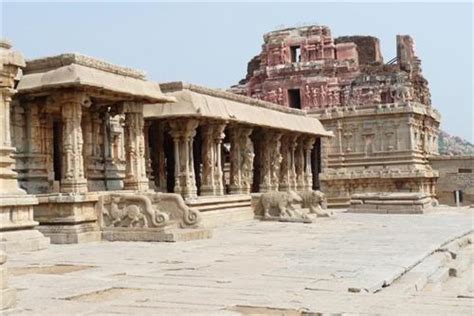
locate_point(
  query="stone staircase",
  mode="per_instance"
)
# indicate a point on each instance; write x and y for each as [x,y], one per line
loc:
[448,272]
[222,210]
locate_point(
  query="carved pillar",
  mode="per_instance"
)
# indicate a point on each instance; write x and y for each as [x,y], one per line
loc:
[241,160]
[135,168]
[271,160]
[293,145]
[287,167]
[308,173]
[8,177]
[300,164]
[212,135]
[149,170]
[183,132]
[88,140]
[73,179]
[161,159]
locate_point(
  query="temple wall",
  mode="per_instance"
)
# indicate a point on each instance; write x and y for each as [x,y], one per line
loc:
[456,173]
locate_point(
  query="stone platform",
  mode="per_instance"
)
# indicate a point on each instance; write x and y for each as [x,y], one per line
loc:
[18,229]
[156,235]
[390,203]
[342,264]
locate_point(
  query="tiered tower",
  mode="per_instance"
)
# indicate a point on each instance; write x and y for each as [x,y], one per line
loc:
[380,113]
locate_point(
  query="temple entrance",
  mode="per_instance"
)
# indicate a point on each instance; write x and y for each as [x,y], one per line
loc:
[57,152]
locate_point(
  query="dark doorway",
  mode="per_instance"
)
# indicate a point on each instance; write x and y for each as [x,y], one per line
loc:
[57,152]
[168,147]
[197,157]
[294,98]
[257,161]
[295,54]
[316,163]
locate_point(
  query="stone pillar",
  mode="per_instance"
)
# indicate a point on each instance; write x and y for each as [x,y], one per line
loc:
[160,175]
[72,179]
[287,167]
[293,182]
[16,207]
[308,174]
[183,132]
[135,168]
[211,180]
[241,160]
[271,160]
[300,164]
[149,170]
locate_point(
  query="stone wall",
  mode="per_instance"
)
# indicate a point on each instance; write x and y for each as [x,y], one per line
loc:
[455,173]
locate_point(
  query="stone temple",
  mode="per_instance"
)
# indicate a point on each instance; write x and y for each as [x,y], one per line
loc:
[380,112]
[92,152]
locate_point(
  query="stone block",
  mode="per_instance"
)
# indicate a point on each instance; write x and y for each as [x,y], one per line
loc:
[72,234]
[22,240]
[155,235]
[390,203]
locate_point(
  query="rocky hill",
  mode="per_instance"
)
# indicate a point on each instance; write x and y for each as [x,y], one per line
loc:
[454,145]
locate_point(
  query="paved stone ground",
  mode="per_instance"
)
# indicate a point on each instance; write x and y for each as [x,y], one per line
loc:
[255,264]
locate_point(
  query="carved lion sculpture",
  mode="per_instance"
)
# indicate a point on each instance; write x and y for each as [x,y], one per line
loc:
[281,203]
[316,202]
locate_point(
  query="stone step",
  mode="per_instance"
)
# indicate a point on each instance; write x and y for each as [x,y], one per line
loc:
[213,207]
[218,218]
[204,200]
[416,279]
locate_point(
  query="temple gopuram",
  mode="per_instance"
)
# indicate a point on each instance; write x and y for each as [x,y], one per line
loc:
[379,111]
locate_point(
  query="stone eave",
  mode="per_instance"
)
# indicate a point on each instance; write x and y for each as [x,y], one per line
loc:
[80,76]
[201,102]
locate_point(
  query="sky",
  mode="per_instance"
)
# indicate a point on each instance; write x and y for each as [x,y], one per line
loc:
[210,43]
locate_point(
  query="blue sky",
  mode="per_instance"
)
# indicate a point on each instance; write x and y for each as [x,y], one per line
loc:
[211,43]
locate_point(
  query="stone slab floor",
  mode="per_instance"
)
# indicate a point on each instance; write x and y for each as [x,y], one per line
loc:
[250,267]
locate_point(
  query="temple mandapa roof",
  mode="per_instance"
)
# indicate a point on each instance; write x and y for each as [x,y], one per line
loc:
[75,70]
[201,102]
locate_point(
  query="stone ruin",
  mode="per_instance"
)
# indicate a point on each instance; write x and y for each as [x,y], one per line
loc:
[380,112]
[93,151]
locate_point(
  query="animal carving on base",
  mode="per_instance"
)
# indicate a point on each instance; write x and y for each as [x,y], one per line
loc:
[315,201]
[119,210]
[279,204]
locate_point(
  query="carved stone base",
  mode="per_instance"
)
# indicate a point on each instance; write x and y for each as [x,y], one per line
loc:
[72,234]
[390,203]
[7,295]
[17,227]
[303,219]
[148,216]
[155,235]
[22,240]
[68,218]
